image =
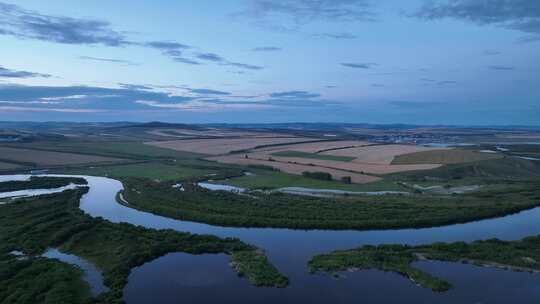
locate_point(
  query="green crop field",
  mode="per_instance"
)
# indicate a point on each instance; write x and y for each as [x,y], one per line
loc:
[454,156]
[271,179]
[300,154]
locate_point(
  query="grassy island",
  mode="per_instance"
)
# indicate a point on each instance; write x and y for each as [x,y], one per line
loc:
[523,255]
[34,224]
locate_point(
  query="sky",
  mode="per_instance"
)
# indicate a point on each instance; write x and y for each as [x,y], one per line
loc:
[459,62]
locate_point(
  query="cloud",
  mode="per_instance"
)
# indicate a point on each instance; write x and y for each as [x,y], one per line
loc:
[529,39]
[245,66]
[208,92]
[414,104]
[37,109]
[491,53]
[16,21]
[267,49]
[294,95]
[367,65]
[335,35]
[210,57]
[7,73]
[172,49]
[167,45]
[378,85]
[501,68]
[222,61]
[112,60]
[130,86]
[85,97]
[429,82]
[26,24]
[445,82]
[133,97]
[291,15]
[519,15]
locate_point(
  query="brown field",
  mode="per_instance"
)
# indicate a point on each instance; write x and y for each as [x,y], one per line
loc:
[49,158]
[444,157]
[369,159]
[378,154]
[8,166]
[316,147]
[350,166]
[223,145]
[190,133]
[297,169]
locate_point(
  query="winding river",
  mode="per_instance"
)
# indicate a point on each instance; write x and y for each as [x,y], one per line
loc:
[208,278]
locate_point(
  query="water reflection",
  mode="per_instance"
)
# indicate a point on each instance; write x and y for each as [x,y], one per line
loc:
[208,279]
[91,274]
[290,250]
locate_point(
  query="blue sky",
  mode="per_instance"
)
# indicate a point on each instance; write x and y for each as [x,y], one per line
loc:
[421,62]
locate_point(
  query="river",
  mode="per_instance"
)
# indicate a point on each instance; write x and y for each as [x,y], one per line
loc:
[167,279]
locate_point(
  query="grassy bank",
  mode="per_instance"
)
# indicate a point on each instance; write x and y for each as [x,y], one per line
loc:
[302,212]
[256,267]
[393,258]
[312,155]
[40,182]
[523,255]
[32,225]
[40,280]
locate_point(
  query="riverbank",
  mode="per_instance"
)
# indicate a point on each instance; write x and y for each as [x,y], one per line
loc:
[32,225]
[522,255]
[278,210]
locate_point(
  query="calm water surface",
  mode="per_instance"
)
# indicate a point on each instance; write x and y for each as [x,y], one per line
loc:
[290,250]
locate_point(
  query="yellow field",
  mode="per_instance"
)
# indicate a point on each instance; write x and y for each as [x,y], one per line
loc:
[316,147]
[356,178]
[220,146]
[378,154]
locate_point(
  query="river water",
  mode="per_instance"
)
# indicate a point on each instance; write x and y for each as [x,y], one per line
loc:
[165,278]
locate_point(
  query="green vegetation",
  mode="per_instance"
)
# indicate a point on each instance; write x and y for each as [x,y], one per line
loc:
[523,255]
[325,176]
[40,280]
[302,212]
[495,171]
[40,182]
[34,224]
[273,179]
[5,166]
[164,170]
[256,267]
[300,154]
[394,258]
[120,149]
[453,156]
[346,180]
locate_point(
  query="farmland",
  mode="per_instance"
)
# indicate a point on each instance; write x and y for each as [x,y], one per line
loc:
[294,168]
[47,158]
[223,146]
[377,154]
[391,186]
[454,156]
[299,154]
